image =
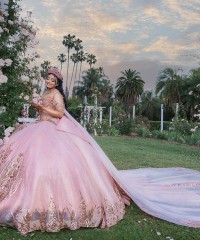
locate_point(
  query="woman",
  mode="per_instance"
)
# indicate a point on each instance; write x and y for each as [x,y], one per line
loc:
[53,175]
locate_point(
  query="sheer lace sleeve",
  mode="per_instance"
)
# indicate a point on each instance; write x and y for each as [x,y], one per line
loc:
[58,102]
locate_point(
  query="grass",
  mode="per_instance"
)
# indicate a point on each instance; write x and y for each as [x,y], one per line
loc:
[127,153]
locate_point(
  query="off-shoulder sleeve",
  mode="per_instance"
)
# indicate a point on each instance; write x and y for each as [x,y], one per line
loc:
[58,102]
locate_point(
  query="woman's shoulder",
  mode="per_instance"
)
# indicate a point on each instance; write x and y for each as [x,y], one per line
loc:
[57,93]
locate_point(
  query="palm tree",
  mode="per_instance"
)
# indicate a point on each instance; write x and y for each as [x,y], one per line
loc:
[91,59]
[74,57]
[68,42]
[45,66]
[94,82]
[129,87]
[169,86]
[61,59]
[190,94]
[82,58]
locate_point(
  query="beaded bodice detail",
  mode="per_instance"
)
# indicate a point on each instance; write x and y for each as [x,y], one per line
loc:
[53,100]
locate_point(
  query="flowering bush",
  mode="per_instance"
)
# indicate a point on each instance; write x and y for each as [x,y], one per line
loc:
[16,78]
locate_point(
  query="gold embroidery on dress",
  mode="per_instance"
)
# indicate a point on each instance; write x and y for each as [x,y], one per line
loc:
[53,219]
[53,101]
[4,153]
[11,176]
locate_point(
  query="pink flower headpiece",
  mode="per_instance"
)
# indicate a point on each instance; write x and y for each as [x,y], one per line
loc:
[55,72]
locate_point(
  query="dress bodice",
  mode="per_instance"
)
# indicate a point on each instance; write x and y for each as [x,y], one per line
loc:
[52,100]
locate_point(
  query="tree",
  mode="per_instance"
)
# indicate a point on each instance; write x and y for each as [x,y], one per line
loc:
[74,57]
[94,82]
[68,42]
[129,87]
[82,57]
[16,36]
[61,59]
[190,92]
[169,86]
[91,59]
[45,66]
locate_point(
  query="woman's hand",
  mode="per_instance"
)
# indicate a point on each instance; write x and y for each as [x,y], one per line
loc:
[37,106]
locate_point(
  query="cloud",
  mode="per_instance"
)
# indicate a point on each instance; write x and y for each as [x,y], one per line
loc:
[121,34]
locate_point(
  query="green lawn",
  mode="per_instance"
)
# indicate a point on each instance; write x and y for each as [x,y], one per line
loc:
[128,153]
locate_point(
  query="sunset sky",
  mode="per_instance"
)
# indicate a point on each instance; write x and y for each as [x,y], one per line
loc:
[145,35]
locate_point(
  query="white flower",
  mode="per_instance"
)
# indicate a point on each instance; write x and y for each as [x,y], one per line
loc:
[3,78]
[25,32]
[15,39]
[1,141]
[21,95]
[158,233]
[34,82]
[2,109]
[5,14]
[198,85]
[34,90]
[1,19]
[196,107]
[2,63]
[190,93]
[193,130]
[36,95]
[8,62]
[6,30]
[26,98]
[10,22]
[1,29]
[24,78]
[8,131]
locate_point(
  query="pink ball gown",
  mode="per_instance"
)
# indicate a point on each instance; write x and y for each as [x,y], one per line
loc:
[53,175]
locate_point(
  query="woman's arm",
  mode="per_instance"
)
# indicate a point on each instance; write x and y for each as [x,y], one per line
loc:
[53,113]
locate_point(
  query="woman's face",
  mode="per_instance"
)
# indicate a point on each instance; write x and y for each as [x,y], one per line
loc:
[51,81]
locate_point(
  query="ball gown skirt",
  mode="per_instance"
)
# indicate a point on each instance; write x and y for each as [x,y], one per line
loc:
[53,175]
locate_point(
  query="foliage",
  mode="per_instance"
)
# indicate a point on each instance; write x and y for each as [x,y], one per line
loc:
[113,131]
[16,77]
[169,85]
[95,82]
[74,107]
[129,87]
[155,125]
[124,124]
[181,126]
[10,99]
[141,122]
[160,135]
[144,132]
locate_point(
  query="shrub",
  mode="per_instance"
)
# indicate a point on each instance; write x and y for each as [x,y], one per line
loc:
[112,131]
[124,125]
[160,135]
[144,132]
[155,125]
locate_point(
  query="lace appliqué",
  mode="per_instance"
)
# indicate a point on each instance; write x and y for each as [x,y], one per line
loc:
[11,176]
[4,153]
[53,219]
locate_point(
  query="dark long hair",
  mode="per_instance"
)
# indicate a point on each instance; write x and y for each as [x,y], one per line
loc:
[59,87]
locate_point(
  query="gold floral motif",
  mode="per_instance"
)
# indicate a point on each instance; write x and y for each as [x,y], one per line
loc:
[53,220]
[4,154]
[11,176]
